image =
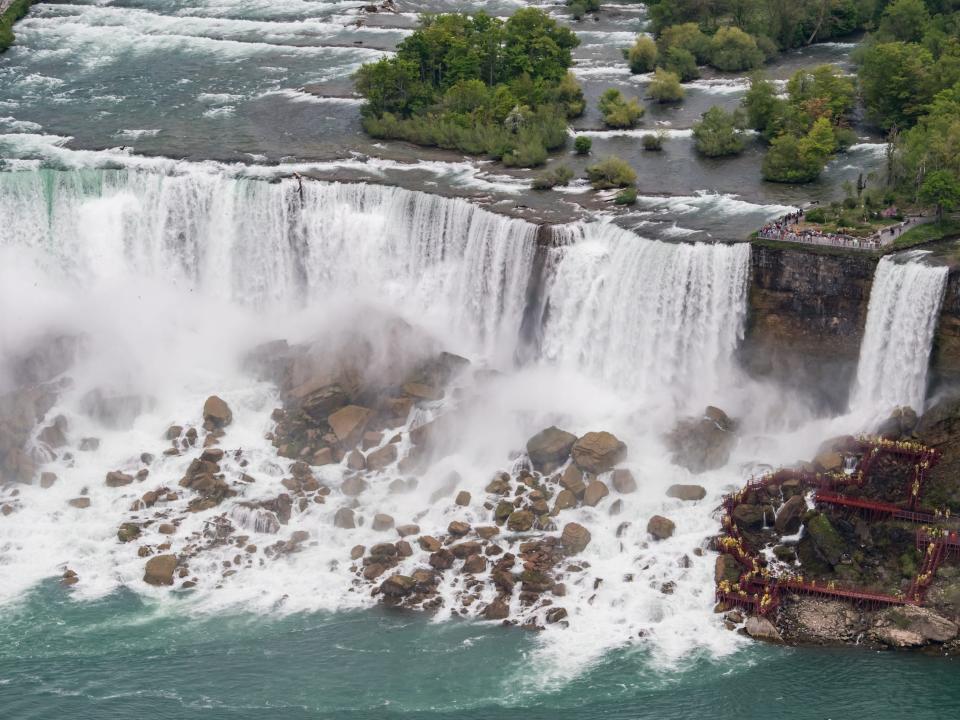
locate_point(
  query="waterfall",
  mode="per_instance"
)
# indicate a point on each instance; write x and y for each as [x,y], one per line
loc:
[262,244]
[901,321]
[647,316]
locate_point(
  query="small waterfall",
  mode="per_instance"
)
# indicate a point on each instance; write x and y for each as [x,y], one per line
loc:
[901,321]
[263,244]
[644,315]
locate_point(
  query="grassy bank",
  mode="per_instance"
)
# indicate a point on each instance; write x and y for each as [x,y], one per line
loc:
[13,13]
[922,234]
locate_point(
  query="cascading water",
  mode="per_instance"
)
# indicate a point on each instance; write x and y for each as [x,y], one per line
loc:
[901,321]
[646,315]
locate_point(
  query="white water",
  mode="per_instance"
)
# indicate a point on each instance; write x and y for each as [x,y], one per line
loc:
[901,322]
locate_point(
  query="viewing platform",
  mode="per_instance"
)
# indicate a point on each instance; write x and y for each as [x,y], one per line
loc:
[794,228]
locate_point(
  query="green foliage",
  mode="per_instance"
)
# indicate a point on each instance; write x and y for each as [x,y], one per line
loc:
[822,91]
[686,36]
[905,20]
[17,9]
[718,133]
[941,189]
[733,50]
[579,8]
[795,160]
[895,82]
[681,62]
[477,84]
[665,87]
[611,172]
[762,105]
[642,56]
[627,196]
[582,144]
[617,111]
[652,142]
[559,175]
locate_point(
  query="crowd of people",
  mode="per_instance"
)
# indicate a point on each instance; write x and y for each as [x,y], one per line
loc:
[788,229]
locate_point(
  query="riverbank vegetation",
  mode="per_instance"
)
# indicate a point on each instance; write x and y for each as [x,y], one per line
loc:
[618,111]
[477,84]
[16,11]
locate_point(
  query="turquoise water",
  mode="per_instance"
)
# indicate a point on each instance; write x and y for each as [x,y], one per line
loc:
[121,658]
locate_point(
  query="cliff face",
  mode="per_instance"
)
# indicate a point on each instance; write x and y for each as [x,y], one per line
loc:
[945,358]
[806,317]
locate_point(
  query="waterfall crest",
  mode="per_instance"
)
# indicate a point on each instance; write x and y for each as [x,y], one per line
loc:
[901,321]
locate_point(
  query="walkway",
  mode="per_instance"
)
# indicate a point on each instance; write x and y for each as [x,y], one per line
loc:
[789,228]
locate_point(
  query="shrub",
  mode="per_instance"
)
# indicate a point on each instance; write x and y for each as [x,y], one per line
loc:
[763,106]
[617,111]
[718,133]
[560,175]
[682,62]
[611,172]
[652,142]
[817,215]
[791,160]
[642,57]
[687,36]
[582,144]
[768,47]
[731,49]
[569,94]
[627,196]
[665,87]
[579,8]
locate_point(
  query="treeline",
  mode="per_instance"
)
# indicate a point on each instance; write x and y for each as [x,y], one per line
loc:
[477,84]
[13,13]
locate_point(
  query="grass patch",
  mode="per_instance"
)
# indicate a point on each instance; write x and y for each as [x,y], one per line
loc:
[922,234]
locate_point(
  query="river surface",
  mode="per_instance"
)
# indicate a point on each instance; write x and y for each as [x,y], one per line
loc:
[147,153]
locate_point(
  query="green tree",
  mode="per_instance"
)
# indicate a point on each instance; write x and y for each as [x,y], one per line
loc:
[792,160]
[611,172]
[822,90]
[905,20]
[941,188]
[642,55]
[617,111]
[392,85]
[718,133]
[687,36]
[732,49]
[762,105]
[534,44]
[682,62]
[665,87]
[895,82]
[582,144]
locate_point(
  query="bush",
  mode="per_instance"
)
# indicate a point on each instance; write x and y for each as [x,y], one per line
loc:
[665,87]
[579,8]
[611,172]
[569,94]
[682,62]
[642,57]
[617,111]
[763,106]
[718,133]
[768,47]
[560,175]
[652,142]
[687,36]
[582,144]
[732,50]
[817,215]
[791,160]
[627,196]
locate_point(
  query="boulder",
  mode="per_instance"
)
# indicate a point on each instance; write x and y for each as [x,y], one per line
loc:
[128,531]
[47,479]
[595,492]
[623,481]
[575,538]
[702,443]
[687,492]
[749,516]
[759,628]
[409,529]
[912,626]
[159,570]
[353,486]
[565,500]
[81,503]
[497,610]
[463,498]
[349,424]
[442,559]
[54,435]
[550,447]
[356,461]
[475,564]
[790,515]
[458,529]
[379,459]
[357,551]
[726,568]
[428,543]
[827,542]
[829,461]
[217,412]
[520,520]
[382,522]
[572,480]
[487,532]
[344,519]
[397,585]
[598,452]
[118,479]
[660,527]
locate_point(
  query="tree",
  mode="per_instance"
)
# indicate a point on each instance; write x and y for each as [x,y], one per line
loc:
[718,133]
[732,49]
[617,111]
[682,62]
[582,144]
[687,36]
[665,87]
[905,20]
[895,82]
[762,105]
[792,160]
[941,188]
[642,56]
[394,86]
[611,172]
[534,44]
[822,90]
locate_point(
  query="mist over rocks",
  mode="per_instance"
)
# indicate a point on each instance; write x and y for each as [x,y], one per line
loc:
[702,443]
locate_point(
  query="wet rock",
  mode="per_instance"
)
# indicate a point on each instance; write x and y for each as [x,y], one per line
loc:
[760,628]
[623,481]
[784,553]
[911,626]
[503,510]
[89,444]
[828,461]
[497,610]
[465,549]
[575,538]
[397,586]
[353,486]
[790,515]
[349,424]
[55,434]
[409,529]
[323,456]
[118,479]
[356,461]
[687,492]
[428,543]
[357,551]
[442,559]
[595,492]
[702,443]
[616,507]
[749,516]
[216,412]
[572,480]
[463,498]
[475,564]
[520,521]
[382,522]
[487,532]
[660,527]
[827,542]
[80,503]
[555,615]
[550,447]
[500,485]
[726,568]
[47,480]
[379,459]
[159,570]
[564,501]
[458,529]
[598,452]
[128,531]
[344,519]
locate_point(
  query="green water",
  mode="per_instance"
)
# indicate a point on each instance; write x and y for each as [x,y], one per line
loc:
[119,658]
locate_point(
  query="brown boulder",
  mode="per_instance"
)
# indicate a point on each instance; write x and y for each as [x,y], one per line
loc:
[458,528]
[520,521]
[595,492]
[463,498]
[118,479]
[379,459]
[217,412]
[442,559]
[397,585]
[159,570]
[660,527]
[353,486]
[475,564]
[81,503]
[349,424]
[550,447]
[382,522]
[790,515]
[572,480]
[829,461]
[687,492]
[565,500]
[497,610]
[623,481]
[409,529]
[344,519]
[575,538]
[597,452]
